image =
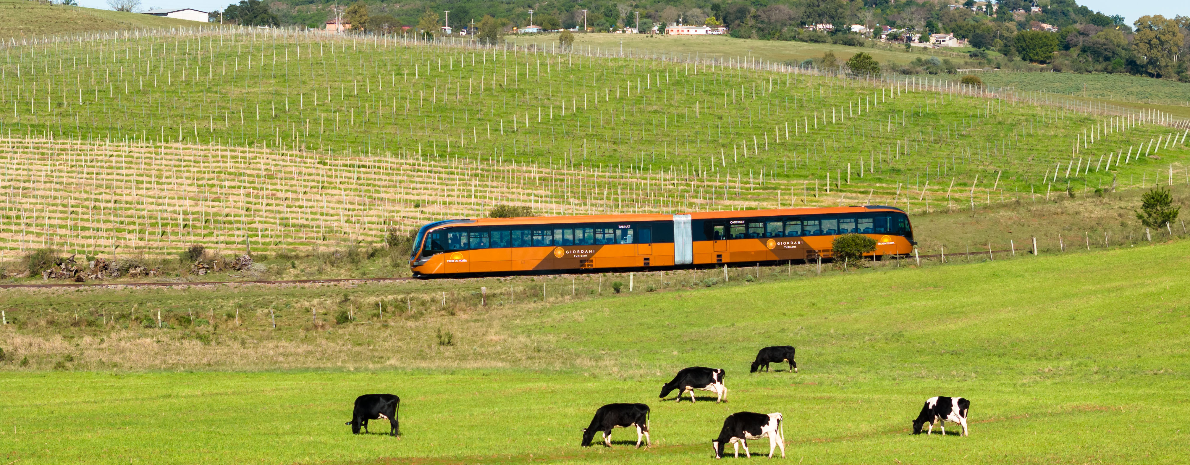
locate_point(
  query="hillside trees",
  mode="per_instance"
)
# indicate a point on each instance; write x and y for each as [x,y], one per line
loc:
[384,24]
[124,5]
[250,13]
[549,22]
[1036,46]
[428,26]
[1158,42]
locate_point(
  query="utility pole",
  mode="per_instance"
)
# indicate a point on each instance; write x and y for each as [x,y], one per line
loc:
[584,20]
[447,20]
[530,17]
[637,22]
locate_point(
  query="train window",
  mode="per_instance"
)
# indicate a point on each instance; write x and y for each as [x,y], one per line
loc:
[793,228]
[719,232]
[522,238]
[457,240]
[543,237]
[755,229]
[499,239]
[773,229]
[624,236]
[865,226]
[435,243]
[811,228]
[901,226]
[830,227]
[739,231]
[584,236]
[479,240]
[847,225]
[644,236]
[605,236]
[881,225]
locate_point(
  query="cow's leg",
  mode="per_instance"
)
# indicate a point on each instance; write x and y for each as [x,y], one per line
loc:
[638,436]
[747,454]
[772,444]
[736,443]
[692,396]
[964,423]
[931,430]
[648,442]
[607,438]
[942,424]
[396,426]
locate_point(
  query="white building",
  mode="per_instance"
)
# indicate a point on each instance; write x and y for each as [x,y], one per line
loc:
[530,29]
[860,29]
[946,40]
[188,14]
[687,30]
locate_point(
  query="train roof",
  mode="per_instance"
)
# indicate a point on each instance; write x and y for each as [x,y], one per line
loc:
[666,217]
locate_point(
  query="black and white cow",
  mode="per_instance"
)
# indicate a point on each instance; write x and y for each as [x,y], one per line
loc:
[618,415]
[774,354]
[739,427]
[701,378]
[942,409]
[375,407]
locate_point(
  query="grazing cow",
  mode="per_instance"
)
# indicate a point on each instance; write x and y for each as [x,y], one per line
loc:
[376,407]
[739,427]
[942,409]
[702,378]
[774,354]
[622,415]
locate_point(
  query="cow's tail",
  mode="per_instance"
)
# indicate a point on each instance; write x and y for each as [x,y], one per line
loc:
[781,427]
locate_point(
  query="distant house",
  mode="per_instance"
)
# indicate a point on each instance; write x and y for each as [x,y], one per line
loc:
[530,29]
[860,29]
[1038,26]
[188,14]
[717,30]
[688,30]
[335,26]
[946,40]
[820,27]
[446,30]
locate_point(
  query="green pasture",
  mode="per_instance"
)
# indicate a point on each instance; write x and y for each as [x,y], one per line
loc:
[28,20]
[1078,358]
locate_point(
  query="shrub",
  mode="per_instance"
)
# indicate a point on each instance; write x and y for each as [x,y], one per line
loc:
[848,39]
[40,260]
[399,244]
[1157,209]
[509,211]
[710,282]
[852,247]
[3,356]
[973,81]
[445,338]
[616,286]
[342,317]
[192,254]
[863,64]
[25,361]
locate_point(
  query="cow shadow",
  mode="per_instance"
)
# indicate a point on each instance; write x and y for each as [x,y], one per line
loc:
[686,399]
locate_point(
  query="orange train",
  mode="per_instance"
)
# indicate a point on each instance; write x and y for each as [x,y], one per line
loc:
[607,242]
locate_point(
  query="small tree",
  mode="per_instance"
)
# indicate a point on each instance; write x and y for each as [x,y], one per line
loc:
[550,23]
[973,81]
[357,16]
[509,211]
[863,64]
[566,40]
[490,30]
[828,61]
[852,247]
[40,260]
[124,5]
[428,26]
[1157,209]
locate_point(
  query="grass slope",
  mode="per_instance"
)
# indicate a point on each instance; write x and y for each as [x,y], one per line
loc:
[25,19]
[1061,357]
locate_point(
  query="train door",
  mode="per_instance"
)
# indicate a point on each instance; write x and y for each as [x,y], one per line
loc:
[719,236]
[644,241]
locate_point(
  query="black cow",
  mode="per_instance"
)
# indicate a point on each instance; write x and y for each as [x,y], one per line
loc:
[702,378]
[774,354]
[375,407]
[622,415]
[942,409]
[739,427]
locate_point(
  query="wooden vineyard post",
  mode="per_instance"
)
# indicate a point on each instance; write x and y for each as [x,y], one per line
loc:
[1148,236]
[916,257]
[630,279]
[1061,245]
[943,248]
[1012,246]
[273,318]
[725,277]
[159,318]
[990,255]
[314,316]
[1035,246]
[599,291]
[819,268]
[1169,229]
[483,296]
[237,316]
[381,304]
[572,286]
[1088,239]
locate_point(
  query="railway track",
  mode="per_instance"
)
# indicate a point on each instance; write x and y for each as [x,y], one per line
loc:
[201,283]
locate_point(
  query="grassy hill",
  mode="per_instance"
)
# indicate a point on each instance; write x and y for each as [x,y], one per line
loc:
[1058,354]
[24,19]
[292,140]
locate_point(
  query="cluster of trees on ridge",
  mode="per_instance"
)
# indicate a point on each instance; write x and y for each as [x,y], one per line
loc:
[998,33]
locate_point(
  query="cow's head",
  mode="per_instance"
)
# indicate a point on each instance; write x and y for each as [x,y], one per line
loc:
[755,366]
[917,425]
[665,390]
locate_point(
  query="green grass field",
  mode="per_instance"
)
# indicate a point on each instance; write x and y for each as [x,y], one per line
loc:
[1065,359]
[25,20]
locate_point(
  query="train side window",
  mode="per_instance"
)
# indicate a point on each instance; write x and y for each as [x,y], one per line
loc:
[902,226]
[605,236]
[830,227]
[773,229]
[719,232]
[755,229]
[584,236]
[624,236]
[457,240]
[881,225]
[644,236]
[812,228]
[847,226]
[522,238]
[567,237]
[865,226]
[499,239]
[479,240]
[543,237]
[435,243]
[739,231]
[793,228]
